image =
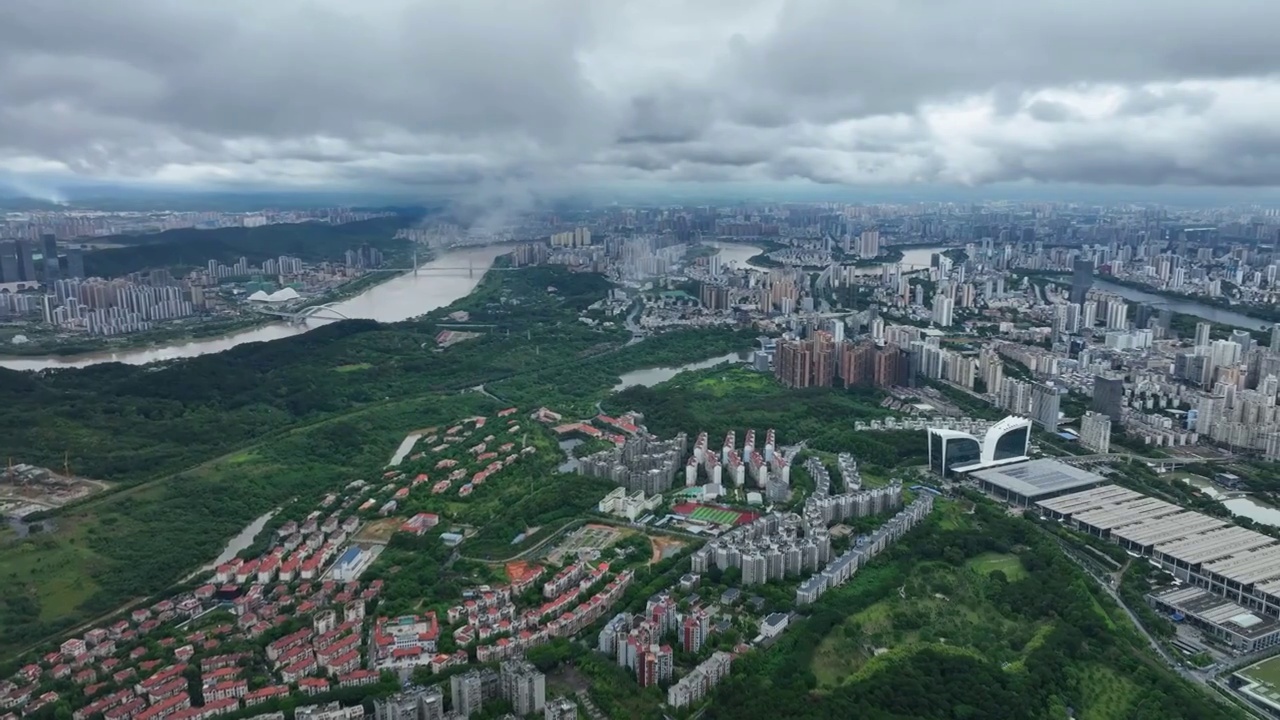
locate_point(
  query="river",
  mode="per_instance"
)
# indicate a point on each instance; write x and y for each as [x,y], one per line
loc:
[237,543]
[1238,503]
[913,258]
[397,299]
[920,257]
[1186,307]
[648,377]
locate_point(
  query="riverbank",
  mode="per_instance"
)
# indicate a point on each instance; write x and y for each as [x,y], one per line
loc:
[886,258]
[1180,306]
[384,296]
[1264,314]
[186,329]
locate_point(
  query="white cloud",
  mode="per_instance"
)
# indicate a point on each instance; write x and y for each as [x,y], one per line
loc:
[572,93]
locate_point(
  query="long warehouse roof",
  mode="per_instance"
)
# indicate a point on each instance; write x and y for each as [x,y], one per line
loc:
[1089,499]
[1169,528]
[1248,568]
[1126,513]
[1214,545]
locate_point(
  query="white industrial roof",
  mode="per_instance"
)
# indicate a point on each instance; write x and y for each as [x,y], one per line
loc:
[1038,477]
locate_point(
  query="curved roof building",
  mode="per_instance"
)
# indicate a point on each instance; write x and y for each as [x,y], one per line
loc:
[281,295]
[952,451]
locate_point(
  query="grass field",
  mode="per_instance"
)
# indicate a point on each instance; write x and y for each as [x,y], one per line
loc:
[735,381]
[988,563]
[938,606]
[352,367]
[715,515]
[1267,674]
[708,514]
[54,566]
[1107,695]
[378,531]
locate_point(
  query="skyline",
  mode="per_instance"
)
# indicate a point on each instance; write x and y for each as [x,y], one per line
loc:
[559,97]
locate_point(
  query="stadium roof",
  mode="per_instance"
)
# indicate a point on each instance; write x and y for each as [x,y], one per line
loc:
[1038,477]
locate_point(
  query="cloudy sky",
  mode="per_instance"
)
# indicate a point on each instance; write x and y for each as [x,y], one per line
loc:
[583,93]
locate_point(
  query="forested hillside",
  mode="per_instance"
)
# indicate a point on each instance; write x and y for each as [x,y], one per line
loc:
[191,247]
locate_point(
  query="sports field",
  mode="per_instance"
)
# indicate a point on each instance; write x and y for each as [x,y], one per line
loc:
[708,514]
[715,515]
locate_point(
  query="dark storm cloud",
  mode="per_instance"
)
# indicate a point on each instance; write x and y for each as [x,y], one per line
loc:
[1148,102]
[562,92]
[1050,111]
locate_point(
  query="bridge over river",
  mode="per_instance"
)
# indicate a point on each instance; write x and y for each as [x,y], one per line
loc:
[332,311]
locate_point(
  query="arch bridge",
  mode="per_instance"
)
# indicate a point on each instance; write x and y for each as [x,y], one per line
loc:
[327,311]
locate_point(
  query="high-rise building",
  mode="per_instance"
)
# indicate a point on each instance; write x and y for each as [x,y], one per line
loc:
[714,296]
[1117,316]
[75,263]
[890,367]
[10,271]
[857,364]
[943,308]
[654,665]
[1202,333]
[1088,315]
[1108,396]
[807,363]
[869,244]
[693,632]
[412,703]
[1244,339]
[1275,338]
[1081,279]
[49,251]
[469,691]
[1045,406]
[824,359]
[793,363]
[576,238]
[1095,432]
[524,686]
[26,261]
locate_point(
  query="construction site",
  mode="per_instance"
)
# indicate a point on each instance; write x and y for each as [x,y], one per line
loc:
[27,489]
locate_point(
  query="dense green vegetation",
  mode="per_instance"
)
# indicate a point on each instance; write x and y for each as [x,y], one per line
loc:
[575,389]
[720,399]
[127,423]
[199,447]
[191,247]
[962,640]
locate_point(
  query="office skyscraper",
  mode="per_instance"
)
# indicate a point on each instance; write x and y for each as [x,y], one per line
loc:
[1045,406]
[9,268]
[26,261]
[75,264]
[1108,397]
[49,251]
[1081,279]
[1275,338]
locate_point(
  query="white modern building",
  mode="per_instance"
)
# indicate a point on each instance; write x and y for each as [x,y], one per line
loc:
[952,451]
